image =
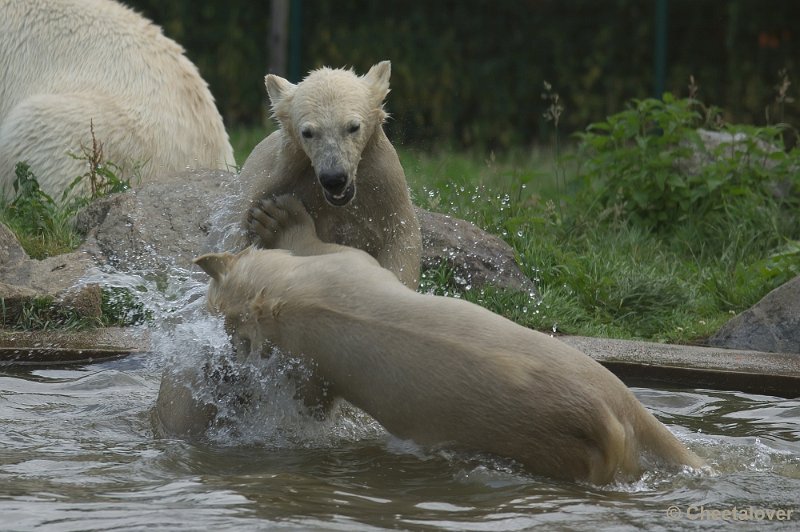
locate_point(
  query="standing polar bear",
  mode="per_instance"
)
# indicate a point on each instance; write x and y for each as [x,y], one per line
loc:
[71,63]
[436,370]
[331,153]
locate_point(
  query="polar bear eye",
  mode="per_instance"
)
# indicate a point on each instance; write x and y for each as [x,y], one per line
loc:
[352,128]
[307,133]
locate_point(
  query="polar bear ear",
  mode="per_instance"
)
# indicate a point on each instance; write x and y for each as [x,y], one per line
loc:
[278,88]
[378,79]
[215,264]
[280,92]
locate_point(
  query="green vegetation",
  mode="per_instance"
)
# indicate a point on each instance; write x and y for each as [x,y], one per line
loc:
[119,307]
[40,223]
[623,235]
[43,225]
[44,228]
[637,230]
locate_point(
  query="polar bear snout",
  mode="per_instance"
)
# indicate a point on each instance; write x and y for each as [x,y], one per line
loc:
[338,189]
[334,181]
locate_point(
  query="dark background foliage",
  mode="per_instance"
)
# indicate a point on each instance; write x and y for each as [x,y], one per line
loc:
[470,72]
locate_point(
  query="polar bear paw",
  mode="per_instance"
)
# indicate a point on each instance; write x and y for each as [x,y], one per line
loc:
[282,223]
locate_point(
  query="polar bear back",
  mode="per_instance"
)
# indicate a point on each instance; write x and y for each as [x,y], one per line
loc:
[440,370]
[66,58]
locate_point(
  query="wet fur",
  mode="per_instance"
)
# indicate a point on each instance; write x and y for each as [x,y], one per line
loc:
[327,105]
[436,370]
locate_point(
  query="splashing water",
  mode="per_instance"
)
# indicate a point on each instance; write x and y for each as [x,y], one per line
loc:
[255,397]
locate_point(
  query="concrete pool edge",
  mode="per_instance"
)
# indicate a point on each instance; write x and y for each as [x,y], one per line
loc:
[635,362]
[61,348]
[649,363]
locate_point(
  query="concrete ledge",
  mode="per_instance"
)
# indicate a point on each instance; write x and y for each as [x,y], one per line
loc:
[648,363]
[636,363]
[59,348]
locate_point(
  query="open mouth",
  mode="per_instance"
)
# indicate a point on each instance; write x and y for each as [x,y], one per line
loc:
[341,198]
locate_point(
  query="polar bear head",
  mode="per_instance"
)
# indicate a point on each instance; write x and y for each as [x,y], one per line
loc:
[332,114]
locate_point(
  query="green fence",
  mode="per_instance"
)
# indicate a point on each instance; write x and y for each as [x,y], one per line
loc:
[471,72]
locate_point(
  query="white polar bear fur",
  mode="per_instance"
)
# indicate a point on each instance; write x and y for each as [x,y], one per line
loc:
[66,63]
[331,127]
[436,370]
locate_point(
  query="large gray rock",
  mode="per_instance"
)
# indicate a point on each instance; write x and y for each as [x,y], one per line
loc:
[23,280]
[164,225]
[170,222]
[11,253]
[158,225]
[772,324]
[712,146]
[477,257]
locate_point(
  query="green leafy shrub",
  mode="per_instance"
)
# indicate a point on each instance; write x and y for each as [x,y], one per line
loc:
[648,164]
[40,223]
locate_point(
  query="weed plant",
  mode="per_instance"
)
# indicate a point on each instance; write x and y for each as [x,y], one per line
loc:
[42,224]
[119,307]
[44,228]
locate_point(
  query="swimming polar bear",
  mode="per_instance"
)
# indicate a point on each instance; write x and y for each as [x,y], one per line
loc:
[435,370]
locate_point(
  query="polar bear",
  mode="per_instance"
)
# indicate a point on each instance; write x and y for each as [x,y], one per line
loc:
[331,152]
[435,370]
[70,66]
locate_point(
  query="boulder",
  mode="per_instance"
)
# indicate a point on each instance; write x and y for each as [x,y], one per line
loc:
[478,258]
[772,324]
[24,280]
[714,145]
[11,253]
[158,225]
[170,222]
[711,146]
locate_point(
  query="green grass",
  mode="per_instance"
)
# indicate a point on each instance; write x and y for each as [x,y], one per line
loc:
[43,224]
[119,307]
[600,268]
[617,279]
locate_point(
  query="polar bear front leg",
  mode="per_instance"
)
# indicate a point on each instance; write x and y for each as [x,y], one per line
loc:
[284,223]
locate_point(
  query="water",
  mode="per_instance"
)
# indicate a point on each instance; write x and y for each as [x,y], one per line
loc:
[78,452]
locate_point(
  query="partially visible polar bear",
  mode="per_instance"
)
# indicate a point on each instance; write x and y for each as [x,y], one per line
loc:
[68,63]
[331,153]
[436,370]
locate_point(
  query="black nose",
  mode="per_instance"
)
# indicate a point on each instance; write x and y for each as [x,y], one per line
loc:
[333,181]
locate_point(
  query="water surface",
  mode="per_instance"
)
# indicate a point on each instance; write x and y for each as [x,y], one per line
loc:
[78,452]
